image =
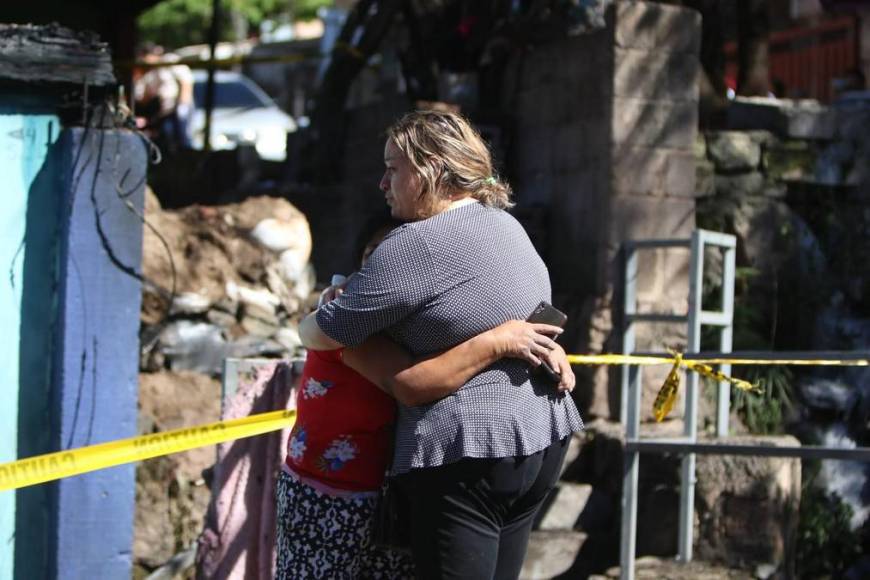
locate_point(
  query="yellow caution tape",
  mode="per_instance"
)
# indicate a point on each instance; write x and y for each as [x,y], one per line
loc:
[667,395]
[710,372]
[618,359]
[629,359]
[221,63]
[62,464]
[350,49]
[236,60]
[52,466]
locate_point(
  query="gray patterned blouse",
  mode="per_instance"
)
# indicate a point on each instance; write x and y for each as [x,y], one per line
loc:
[435,283]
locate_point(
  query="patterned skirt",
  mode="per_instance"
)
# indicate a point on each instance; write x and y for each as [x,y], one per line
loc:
[321,536]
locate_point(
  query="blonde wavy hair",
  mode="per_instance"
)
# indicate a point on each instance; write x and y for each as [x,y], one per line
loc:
[450,157]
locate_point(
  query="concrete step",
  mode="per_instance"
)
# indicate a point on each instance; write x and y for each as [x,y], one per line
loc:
[562,509]
[653,568]
[551,553]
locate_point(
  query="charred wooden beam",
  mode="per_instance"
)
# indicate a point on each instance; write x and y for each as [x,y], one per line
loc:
[53,54]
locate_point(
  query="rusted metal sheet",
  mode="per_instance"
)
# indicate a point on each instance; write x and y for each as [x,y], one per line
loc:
[805,60]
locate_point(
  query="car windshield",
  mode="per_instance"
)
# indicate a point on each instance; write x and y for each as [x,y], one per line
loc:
[228,95]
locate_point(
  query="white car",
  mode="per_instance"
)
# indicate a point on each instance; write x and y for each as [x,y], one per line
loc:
[243,114]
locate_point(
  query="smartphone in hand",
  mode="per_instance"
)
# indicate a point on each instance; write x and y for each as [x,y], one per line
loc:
[545,313]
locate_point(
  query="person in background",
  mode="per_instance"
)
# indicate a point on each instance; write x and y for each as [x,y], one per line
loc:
[340,446]
[477,463]
[164,98]
[183,111]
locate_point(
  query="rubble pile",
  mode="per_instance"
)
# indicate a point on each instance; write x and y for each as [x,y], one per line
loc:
[241,278]
[218,281]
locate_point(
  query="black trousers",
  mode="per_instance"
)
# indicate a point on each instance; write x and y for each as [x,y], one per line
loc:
[472,519]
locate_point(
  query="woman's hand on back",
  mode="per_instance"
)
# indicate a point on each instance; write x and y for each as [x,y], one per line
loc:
[333,291]
[533,342]
[558,360]
[524,340]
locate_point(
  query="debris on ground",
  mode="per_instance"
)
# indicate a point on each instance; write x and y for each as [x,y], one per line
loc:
[669,569]
[218,282]
[171,491]
[223,281]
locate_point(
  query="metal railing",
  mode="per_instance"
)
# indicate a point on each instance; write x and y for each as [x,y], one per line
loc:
[688,445]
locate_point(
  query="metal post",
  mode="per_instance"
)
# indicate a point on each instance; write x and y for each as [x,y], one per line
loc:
[629,308]
[690,414]
[630,400]
[631,468]
[629,416]
[726,334]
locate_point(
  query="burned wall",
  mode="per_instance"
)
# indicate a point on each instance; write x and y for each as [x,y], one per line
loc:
[341,211]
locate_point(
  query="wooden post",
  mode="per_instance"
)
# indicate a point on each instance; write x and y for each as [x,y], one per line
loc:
[213,38]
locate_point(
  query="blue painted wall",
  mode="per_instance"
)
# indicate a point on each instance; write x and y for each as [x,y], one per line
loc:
[25,143]
[71,252]
[98,363]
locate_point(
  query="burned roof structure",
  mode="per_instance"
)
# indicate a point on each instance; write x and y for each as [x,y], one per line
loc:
[51,67]
[53,54]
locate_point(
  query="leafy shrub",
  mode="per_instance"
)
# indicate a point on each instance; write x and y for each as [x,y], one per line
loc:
[826,544]
[765,413]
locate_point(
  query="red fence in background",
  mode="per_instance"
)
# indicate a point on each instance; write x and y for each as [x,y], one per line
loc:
[805,60]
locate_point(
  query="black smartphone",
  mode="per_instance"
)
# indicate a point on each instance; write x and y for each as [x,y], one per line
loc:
[545,313]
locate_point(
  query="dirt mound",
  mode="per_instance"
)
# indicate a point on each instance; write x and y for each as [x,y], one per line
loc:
[171,494]
[241,280]
[210,246]
[172,400]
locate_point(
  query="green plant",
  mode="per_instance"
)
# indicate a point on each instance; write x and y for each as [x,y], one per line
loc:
[826,544]
[765,413]
[175,23]
[307,9]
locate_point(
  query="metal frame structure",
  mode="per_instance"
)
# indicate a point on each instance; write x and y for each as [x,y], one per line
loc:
[688,445]
[631,376]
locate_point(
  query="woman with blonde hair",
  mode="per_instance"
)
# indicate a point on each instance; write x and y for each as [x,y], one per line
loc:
[476,464]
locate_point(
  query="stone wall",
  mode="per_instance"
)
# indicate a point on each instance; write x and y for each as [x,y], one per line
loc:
[605,124]
[792,185]
[747,507]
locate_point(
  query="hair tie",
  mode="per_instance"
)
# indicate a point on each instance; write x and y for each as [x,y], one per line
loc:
[491,180]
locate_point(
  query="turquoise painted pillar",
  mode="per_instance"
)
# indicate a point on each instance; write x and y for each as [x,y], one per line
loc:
[25,141]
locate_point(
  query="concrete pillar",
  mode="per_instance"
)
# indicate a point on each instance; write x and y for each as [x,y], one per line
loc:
[606,126]
[98,356]
[75,246]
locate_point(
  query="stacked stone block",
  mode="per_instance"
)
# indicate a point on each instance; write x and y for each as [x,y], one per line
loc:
[770,184]
[606,125]
[747,507]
